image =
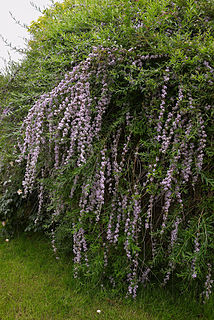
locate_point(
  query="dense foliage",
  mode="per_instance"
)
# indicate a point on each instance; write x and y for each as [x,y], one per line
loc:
[107,140]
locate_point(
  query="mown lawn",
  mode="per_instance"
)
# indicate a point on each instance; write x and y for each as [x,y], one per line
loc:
[33,285]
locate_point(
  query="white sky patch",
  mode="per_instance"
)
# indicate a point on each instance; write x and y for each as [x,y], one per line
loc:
[24,12]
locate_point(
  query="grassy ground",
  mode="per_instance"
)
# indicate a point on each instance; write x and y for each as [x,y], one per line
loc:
[33,285]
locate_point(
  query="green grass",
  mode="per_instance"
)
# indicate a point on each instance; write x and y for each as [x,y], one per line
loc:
[33,285]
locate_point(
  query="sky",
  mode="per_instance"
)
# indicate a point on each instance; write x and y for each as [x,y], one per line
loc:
[24,12]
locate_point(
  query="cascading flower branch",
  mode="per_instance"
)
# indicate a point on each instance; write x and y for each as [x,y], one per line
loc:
[67,113]
[126,201]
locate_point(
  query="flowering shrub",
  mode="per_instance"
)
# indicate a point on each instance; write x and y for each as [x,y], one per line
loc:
[119,152]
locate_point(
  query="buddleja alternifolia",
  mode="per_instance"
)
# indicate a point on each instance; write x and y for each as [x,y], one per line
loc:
[66,124]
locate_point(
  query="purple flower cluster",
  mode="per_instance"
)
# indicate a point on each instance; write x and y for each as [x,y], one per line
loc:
[41,198]
[163,102]
[53,244]
[170,270]
[79,246]
[67,111]
[208,284]
[196,250]
[174,233]
[201,146]
[211,70]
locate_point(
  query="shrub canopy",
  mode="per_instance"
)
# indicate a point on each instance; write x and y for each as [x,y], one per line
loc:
[107,139]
